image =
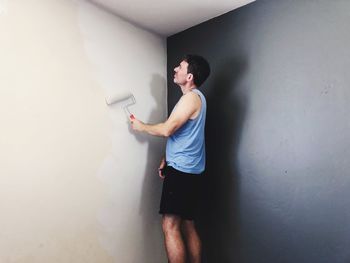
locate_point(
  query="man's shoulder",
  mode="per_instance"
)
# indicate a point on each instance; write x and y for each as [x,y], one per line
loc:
[190,97]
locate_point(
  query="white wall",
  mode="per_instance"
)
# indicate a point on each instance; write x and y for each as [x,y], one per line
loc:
[76,184]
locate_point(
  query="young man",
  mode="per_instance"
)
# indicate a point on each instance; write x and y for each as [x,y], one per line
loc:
[184,163]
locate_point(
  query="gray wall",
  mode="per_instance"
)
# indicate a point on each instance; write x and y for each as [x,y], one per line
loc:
[278,131]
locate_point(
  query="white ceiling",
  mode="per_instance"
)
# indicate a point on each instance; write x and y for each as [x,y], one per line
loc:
[165,17]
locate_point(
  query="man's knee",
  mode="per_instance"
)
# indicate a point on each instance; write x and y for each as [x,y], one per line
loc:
[171,223]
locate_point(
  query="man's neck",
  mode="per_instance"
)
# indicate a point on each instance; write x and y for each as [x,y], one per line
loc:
[187,88]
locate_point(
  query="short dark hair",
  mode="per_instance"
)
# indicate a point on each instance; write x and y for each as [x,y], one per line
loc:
[198,67]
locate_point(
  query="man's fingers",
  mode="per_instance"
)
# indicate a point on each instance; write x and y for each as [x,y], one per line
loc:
[160,174]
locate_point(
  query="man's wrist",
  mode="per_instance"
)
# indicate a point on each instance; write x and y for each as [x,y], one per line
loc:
[143,127]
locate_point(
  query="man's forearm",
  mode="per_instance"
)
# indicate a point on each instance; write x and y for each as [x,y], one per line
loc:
[159,129]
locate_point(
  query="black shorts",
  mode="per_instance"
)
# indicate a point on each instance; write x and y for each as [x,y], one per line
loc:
[181,193]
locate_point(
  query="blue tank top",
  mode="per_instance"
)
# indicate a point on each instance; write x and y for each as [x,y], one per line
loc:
[185,149]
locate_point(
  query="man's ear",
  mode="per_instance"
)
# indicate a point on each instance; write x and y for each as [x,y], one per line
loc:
[189,76]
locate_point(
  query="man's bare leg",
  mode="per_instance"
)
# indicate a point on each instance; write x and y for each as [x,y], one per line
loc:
[174,244]
[193,242]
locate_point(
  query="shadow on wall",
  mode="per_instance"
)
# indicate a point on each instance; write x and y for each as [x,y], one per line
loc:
[151,186]
[219,220]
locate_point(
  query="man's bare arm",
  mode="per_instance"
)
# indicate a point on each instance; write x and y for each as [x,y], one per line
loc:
[186,107]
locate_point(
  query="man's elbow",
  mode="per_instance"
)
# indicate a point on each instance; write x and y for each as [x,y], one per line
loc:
[168,131]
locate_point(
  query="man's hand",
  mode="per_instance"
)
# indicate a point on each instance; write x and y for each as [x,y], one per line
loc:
[161,166]
[136,124]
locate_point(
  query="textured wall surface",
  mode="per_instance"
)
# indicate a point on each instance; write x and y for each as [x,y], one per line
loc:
[278,131]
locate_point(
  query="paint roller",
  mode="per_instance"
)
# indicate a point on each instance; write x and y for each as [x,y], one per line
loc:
[126,97]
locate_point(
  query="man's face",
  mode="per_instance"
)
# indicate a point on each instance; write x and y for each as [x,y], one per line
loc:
[181,76]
